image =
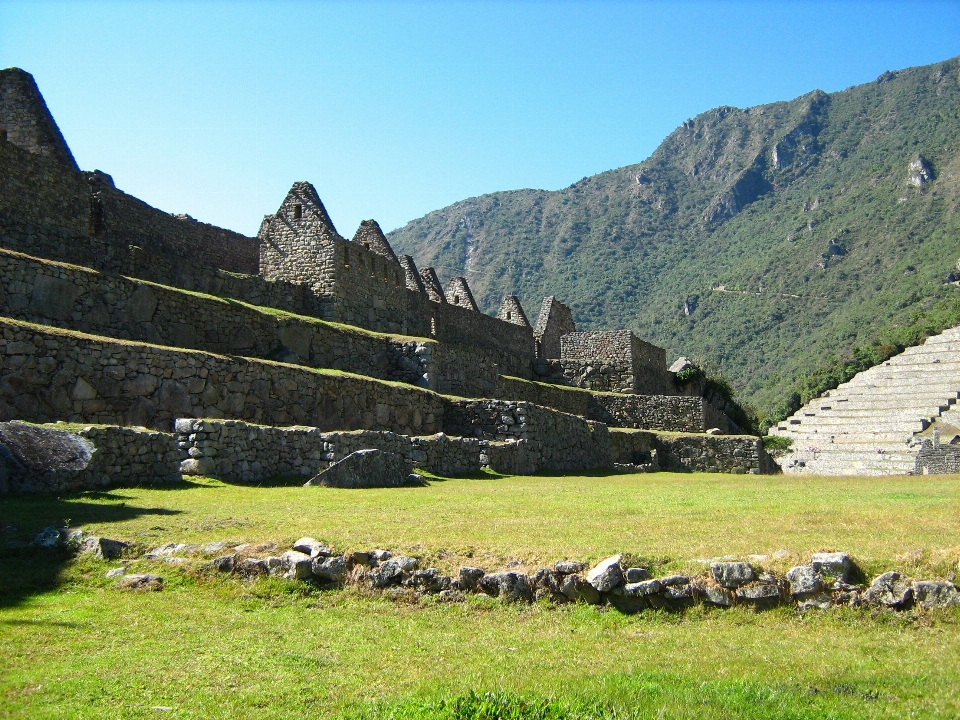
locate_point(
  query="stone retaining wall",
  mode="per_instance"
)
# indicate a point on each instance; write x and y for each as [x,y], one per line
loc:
[557,441]
[712,453]
[652,412]
[122,457]
[632,447]
[614,361]
[246,453]
[645,412]
[114,256]
[50,374]
[116,306]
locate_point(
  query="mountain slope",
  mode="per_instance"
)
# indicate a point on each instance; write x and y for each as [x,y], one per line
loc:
[765,241]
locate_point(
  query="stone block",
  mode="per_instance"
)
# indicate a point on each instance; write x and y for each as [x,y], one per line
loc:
[732,575]
[935,594]
[835,565]
[607,574]
[366,469]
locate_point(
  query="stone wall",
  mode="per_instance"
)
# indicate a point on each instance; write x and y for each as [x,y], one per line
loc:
[116,257]
[51,374]
[712,453]
[936,458]
[652,412]
[446,456]
[122,456]
[645,412]
[246,453]
[632,447]
[26,121]
[44,192]
[553,321]
[557,441]
[77,298]
[615,361]
[604,376]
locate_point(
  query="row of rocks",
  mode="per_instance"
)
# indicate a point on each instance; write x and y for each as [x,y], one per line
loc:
[828,580]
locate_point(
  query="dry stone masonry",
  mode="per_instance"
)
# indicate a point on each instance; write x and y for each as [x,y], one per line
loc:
[896,418]
[827,580]
[289,351]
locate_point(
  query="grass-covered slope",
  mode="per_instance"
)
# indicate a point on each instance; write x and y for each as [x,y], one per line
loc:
[768,242]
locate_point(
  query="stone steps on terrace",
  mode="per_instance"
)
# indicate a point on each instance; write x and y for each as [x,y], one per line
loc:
[865,426]
[894,411]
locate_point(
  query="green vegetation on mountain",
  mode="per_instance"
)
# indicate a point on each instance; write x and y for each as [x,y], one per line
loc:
[786,246]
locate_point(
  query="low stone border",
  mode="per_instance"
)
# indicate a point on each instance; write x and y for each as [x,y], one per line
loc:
[828,580]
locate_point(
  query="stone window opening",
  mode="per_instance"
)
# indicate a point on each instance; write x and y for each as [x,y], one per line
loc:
[3,134]
[456,299]
[297,211]
[509,315]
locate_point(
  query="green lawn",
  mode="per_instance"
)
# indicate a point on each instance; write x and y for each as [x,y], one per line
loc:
[210,646]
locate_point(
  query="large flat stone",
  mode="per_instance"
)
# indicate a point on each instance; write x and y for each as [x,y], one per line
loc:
[366,469]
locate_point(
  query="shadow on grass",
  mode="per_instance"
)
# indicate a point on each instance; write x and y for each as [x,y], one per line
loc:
[28,570]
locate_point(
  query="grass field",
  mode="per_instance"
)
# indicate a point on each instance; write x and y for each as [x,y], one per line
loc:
[210,646]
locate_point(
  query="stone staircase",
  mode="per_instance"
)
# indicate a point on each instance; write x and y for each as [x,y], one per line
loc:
[868,426]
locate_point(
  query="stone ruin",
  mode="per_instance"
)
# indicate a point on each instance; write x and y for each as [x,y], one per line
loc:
[136,323]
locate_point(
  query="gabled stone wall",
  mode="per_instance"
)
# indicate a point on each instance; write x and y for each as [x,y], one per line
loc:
[26,121]
[553,322]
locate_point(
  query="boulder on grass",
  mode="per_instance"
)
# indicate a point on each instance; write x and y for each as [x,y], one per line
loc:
[510,586]
[578,589]
[367,469]
[804,579]
[141,582]
[33,457]
[104,548]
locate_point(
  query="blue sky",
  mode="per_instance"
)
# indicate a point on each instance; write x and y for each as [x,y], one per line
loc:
[394,109]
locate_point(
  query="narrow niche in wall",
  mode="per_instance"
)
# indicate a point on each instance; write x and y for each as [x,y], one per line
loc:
[95,221]
[456,299]
[509,315]
[298,211]
[346,257]
[3,134]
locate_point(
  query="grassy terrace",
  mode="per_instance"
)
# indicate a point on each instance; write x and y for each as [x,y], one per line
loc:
[210,646]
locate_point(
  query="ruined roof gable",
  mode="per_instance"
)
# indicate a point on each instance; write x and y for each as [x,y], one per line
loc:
[303,206]
[371,237]
[26,121]
[458,293]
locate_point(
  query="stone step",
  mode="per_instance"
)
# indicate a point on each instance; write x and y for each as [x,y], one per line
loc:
[891,411]
[905,426]
[853,436]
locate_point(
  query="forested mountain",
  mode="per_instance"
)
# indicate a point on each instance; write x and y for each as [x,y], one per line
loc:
[776,244]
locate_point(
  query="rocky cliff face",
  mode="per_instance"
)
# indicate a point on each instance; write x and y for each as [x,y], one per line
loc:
[803,228]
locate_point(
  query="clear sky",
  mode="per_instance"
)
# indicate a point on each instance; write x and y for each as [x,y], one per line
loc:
[394,109]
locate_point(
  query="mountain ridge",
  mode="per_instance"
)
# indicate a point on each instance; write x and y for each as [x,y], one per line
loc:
[766,241]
